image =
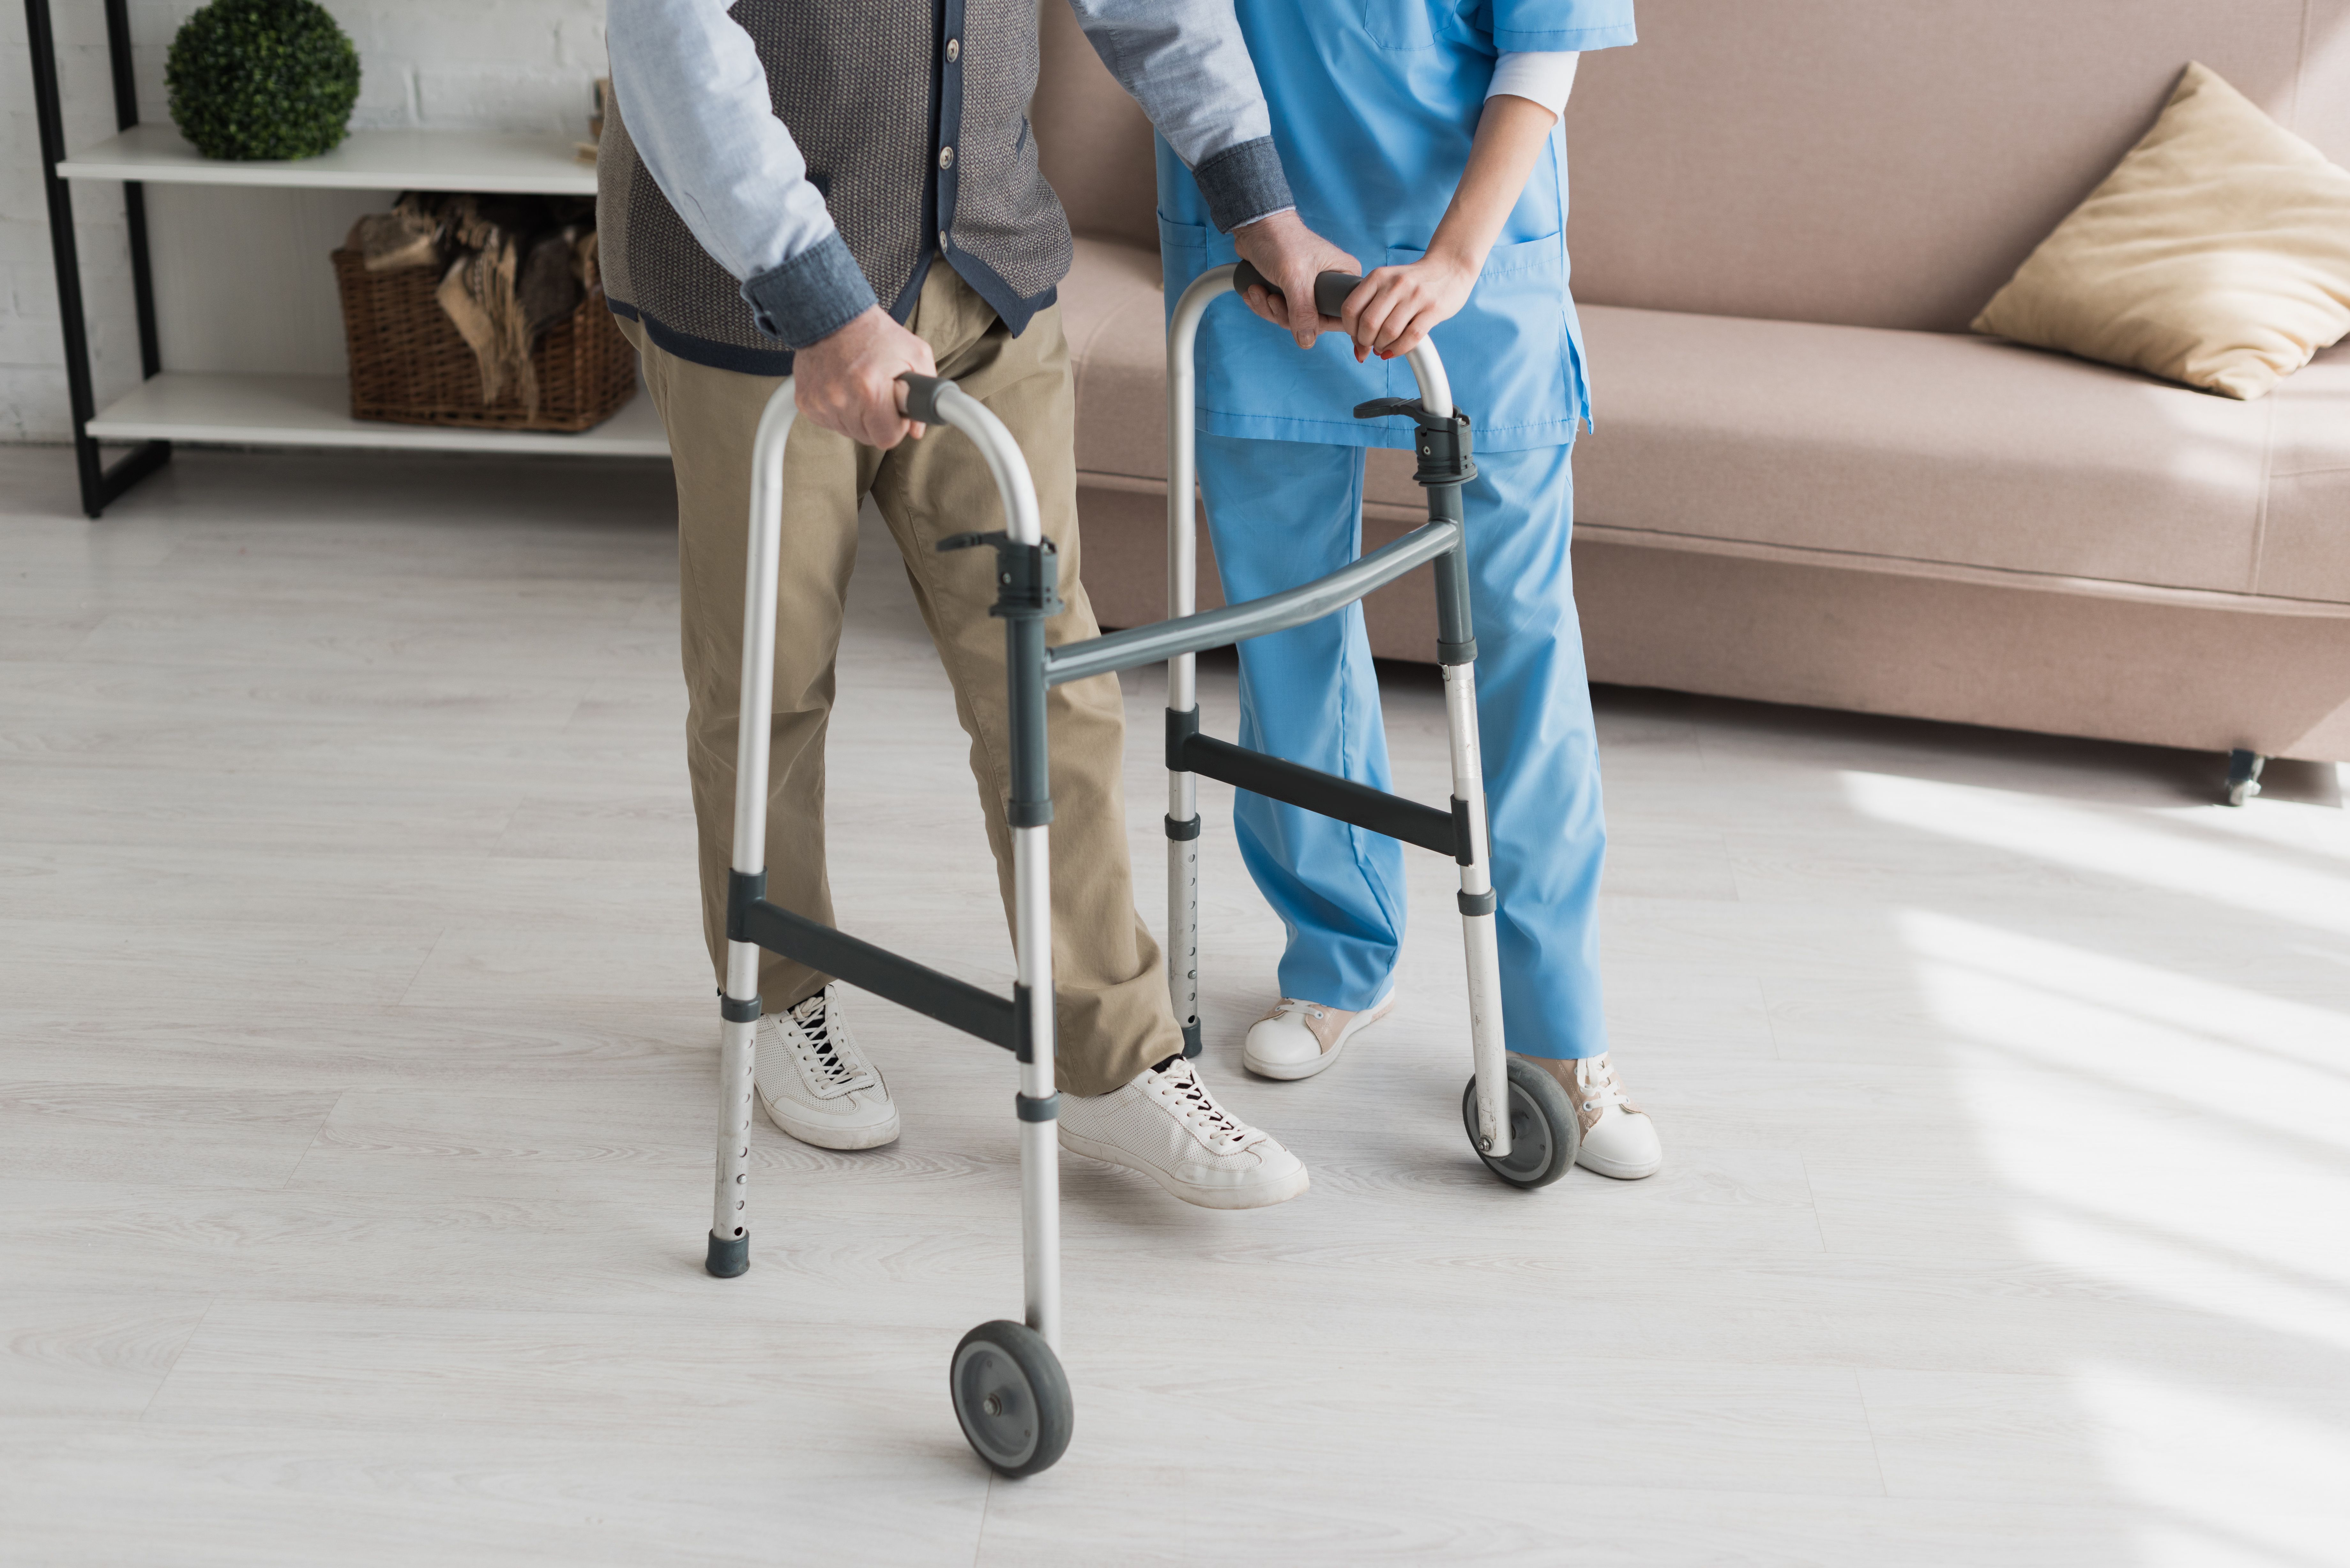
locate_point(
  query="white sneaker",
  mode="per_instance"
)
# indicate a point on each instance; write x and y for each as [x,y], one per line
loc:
[1298,1039]
[814,1082]
[1618,1138]
[1168,1126]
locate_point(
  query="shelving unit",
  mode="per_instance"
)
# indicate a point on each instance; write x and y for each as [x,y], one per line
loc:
[367,160]
[269,410]
[315,411]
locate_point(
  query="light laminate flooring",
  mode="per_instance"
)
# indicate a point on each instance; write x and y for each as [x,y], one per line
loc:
[356,1060]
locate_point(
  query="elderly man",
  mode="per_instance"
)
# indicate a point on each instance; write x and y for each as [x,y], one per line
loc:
[840,191]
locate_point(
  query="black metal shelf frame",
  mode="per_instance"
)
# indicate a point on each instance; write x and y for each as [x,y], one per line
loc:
[100,484]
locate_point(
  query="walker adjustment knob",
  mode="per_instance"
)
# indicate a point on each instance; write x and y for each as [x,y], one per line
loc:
[1027,576]
[1442,442]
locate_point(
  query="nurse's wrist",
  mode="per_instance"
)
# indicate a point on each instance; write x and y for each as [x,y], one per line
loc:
[1469,260]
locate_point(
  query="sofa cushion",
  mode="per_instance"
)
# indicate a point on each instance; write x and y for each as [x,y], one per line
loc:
[1117,325]
[1923,446]
[1916,446]
[2217,254]
[2306,533]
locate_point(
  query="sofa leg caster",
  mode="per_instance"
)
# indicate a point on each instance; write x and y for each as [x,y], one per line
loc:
[2245,775]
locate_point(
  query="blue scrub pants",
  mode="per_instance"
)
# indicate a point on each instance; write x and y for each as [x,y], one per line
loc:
[1282,513]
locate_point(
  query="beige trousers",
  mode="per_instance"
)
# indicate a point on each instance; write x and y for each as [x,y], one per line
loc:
[1112,1009]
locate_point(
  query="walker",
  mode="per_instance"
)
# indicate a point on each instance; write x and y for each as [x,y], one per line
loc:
[1005,1378]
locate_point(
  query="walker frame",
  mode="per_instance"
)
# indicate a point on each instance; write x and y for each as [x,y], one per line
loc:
[1005,1379]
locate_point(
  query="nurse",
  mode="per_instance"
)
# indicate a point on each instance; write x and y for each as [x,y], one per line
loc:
[1423,136]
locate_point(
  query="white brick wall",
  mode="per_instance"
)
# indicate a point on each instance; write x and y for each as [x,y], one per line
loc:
[509,64]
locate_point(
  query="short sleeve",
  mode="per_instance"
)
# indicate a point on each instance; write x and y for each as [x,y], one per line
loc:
[1554,26]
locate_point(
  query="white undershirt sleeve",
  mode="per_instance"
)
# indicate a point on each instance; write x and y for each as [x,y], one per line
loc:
[1545,78]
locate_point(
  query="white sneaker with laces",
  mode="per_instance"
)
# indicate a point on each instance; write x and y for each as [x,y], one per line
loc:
[816,1084]
[1618,1138]
[1298,1039]
[1167,1125]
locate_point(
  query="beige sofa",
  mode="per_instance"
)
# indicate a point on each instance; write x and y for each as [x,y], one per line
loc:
[1807,483]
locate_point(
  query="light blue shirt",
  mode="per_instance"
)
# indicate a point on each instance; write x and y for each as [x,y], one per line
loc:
[1375,104]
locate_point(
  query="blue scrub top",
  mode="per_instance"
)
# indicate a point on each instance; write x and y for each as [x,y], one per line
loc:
[1375,104]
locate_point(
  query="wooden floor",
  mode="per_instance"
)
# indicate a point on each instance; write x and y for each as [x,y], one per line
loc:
[355,1059]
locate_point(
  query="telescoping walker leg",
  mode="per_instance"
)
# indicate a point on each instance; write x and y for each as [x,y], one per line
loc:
[1005,1379]
[739,1006]
[1517,1118]
[1183,671]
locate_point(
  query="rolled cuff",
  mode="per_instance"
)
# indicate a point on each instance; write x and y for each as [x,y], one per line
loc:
[1557,40]
[812,295]
[1243,183]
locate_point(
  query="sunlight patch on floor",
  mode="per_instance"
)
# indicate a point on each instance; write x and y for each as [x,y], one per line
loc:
[2223,1477]
[2181,1142]
[2159,851]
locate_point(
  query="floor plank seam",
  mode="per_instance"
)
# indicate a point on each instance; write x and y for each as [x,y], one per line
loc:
[316,1133]
[177,1356]
[1868,1424]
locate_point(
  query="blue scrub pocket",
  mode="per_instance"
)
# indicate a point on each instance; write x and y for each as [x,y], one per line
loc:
[1179,237]
[1511,350]
[1399,24]
[1184,254]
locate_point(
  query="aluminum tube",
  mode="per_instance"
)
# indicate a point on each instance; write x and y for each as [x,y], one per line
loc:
[728,1213]
[730,1193]
[1238,623]
[756,695]
[1489,1048]
[1032,914]
[1182,600]
[1182,469]
[1012,484]
[1435,387]
[1040,1227]
[1183,923]
[1040,1142]
[1032,893]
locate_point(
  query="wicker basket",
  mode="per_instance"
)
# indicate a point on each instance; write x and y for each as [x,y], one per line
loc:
[409,366]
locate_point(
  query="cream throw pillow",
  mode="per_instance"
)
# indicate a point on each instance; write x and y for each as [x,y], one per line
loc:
[2217,252]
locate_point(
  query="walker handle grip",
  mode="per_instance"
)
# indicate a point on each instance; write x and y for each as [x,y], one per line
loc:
[921,400]
[1330,289]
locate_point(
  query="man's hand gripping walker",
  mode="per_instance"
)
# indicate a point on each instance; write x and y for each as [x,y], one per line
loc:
[1005,1379]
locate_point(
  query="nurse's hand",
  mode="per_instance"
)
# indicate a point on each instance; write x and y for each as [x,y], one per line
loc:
[1290,256]
[1393,309]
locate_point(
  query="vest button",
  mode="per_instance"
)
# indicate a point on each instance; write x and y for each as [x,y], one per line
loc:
[955,50]
[943,241]
[946,157]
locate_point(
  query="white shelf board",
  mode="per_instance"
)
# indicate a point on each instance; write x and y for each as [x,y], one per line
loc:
[315,411]
[367,160]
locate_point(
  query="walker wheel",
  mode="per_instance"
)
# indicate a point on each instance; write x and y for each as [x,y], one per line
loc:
[1012,1397]
[1544,1131]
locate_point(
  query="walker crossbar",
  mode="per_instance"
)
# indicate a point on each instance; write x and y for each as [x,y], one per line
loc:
[1188,750]
[958,1004]
[1165,640]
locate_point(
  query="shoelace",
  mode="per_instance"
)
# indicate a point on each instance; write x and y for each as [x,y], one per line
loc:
[832,1063]
[1596,1075]
[1199,1109]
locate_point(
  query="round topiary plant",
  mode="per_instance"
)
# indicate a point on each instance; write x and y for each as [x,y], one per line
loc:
[262,78]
